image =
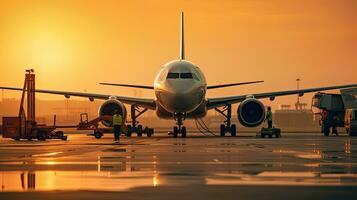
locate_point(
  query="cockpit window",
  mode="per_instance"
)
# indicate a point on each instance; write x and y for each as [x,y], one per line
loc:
[186,76]
[172,75]
[162,74]
[195,77]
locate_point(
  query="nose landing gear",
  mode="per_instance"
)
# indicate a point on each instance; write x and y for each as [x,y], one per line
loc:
[227,126]
[179,129]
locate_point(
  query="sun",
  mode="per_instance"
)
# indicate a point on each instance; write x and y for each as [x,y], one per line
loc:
[49,51]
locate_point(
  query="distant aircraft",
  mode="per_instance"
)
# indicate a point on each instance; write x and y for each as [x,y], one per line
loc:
[180,90]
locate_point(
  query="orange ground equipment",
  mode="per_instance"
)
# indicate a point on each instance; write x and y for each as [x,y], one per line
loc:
[86,124]
[25,127]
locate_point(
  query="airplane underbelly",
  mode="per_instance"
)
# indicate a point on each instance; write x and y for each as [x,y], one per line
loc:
[199,112]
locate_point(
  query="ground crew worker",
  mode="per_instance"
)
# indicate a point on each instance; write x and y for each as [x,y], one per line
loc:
[269,118]
[117,122]
[334,125]
[324,119]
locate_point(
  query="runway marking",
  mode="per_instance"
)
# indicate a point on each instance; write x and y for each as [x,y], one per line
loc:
[46,154]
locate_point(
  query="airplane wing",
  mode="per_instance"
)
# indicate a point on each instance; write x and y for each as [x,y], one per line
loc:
[222,101]
[208,87]
[126,85]
[142,102]
[232,84]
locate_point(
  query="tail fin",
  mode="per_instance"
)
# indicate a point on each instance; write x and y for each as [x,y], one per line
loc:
[182,39]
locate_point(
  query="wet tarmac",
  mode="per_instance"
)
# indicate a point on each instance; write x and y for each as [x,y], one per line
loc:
[246,167]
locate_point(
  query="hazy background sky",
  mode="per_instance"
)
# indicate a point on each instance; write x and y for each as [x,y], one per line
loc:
[73,45]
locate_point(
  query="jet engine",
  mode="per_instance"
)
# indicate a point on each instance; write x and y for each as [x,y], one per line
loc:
[108,108]
[251,112]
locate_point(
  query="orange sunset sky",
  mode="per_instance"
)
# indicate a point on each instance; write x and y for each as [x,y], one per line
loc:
[73,45]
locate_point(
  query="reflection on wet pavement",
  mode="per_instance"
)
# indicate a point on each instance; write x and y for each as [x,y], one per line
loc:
[84,164]
[121,181]
[76,180]
[284,179]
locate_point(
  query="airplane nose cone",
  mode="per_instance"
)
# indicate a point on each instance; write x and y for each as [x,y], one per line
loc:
[179,88]
[180,98]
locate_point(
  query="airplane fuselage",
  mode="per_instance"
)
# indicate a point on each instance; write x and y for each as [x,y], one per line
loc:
[180,87]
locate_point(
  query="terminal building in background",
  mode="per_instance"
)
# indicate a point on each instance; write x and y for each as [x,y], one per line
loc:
[300,119]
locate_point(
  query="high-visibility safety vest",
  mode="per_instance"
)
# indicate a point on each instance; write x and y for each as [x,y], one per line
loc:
[117,119]
[269,116]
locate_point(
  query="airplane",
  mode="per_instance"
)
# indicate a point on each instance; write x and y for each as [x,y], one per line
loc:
[180,93]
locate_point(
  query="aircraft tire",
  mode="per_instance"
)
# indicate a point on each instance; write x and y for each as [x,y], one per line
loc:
[233,130]
[222,130]
[175,132]
[183,132]
[128,131]
[139,130]
[97,134]
[326,130]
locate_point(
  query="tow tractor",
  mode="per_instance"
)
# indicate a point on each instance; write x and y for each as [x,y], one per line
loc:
[86,124]
[333,111]
[270,132]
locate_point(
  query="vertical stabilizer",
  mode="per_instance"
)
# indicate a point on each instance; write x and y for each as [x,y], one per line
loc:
[182,39]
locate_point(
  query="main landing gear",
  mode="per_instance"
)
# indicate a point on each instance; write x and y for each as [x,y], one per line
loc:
[226,111]
[179,129]
[134,127]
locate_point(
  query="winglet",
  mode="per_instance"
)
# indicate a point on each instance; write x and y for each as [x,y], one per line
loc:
[182,39]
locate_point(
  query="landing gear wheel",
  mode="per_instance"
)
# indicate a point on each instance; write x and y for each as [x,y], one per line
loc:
[59,133]
[222,130]
[150,132]
[278,134]
[226,112]
[183,132]
[41,136]
[139,131]
[179,129]
[175,132]
[233,130]
[128,131]
[326,130]
[97,134]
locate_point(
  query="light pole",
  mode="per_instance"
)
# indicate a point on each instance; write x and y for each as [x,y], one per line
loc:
[298,96]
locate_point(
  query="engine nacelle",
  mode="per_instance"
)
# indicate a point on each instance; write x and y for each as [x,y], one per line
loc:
[251,112]
[108,108]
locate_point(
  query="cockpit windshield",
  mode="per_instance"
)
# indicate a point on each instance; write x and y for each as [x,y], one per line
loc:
[186,76]
[172,75]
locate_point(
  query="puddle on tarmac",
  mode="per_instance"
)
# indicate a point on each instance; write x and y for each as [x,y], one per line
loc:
[126,180]
[283,178]
[76,180]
